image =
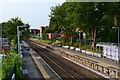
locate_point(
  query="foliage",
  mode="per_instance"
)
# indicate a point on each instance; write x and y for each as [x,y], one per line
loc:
[9,62]
[96,19]
[49,30]
[57,42]
[42,41]
[25,34]
[0,70]
[75,44]
[10,28]
[10,59]
[45,36]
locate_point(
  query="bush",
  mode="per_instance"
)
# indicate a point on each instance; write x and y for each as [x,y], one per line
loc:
[57,42]
[45,36]
[75,44]
[8,63]
[10,59]
[42,41]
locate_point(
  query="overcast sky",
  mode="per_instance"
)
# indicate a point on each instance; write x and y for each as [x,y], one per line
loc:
[34,12]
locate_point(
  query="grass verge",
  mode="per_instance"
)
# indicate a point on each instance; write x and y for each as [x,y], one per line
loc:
[42,41]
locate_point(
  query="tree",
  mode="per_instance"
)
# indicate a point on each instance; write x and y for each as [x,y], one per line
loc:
[10,28]
[57,18]
[60,19]
[25,34]
[110,19]
[49,30]
[95,19]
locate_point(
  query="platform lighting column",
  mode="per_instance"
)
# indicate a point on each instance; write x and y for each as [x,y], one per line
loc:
[18,33]
[118,33]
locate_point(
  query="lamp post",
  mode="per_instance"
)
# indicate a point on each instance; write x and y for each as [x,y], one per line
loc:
[118,33]
[79,36]
[18,33]
[62,31]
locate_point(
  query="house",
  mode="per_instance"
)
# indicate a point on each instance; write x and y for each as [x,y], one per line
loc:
[34,31]
[51,35]
[42,28]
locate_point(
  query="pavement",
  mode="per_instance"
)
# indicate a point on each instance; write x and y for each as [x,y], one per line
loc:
[32,70]
[103,61]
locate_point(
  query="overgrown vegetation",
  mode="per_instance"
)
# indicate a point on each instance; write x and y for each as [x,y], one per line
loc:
[42,41]
[11,60]
[10,29]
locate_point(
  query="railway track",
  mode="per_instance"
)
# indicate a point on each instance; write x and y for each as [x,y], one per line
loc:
[64,68]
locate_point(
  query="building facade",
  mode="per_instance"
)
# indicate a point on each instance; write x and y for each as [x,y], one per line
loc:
[42,28]
[34,31]
[51,35]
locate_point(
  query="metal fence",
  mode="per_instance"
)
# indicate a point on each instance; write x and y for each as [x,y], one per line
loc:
[11,75]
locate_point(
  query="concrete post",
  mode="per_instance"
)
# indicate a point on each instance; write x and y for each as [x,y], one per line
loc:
[18,33]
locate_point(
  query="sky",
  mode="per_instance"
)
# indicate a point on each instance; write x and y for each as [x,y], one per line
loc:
[34,12]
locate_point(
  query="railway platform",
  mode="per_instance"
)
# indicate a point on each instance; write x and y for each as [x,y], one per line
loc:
[102,66]
[105,62]
[37,67]
[29,68]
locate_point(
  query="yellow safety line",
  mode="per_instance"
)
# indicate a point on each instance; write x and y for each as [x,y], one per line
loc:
[44,73]
[95,60]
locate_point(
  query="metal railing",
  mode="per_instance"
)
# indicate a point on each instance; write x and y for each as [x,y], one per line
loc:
[11,75]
